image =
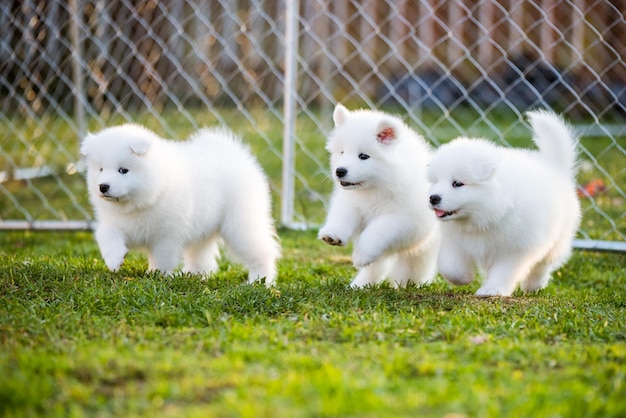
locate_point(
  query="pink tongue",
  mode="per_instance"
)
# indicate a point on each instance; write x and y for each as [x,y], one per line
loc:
[439,213]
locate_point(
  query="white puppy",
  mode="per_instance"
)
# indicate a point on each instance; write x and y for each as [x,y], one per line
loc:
[510,212]
[176,199]
[380,198]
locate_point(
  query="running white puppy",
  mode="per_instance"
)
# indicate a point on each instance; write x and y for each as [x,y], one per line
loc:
[380,198]
[176,199]
[512,213]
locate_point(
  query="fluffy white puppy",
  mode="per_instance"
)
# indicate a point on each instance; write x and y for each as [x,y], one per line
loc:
[380,198]
[179,200]
[510,212]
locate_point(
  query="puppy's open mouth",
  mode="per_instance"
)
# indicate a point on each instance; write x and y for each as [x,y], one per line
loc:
[443,214]
[348,184]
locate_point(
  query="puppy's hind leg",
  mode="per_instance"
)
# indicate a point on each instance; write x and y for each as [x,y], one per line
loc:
[252,239]
[538,277]
[202,257]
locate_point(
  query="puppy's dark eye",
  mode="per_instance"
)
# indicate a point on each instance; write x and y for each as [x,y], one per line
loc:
[363,156]
[456,184]
[122,170]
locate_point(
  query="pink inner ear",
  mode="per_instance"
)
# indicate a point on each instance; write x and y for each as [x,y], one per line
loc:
[386,135]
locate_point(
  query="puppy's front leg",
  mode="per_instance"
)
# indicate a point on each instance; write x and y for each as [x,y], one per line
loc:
[390,231]
[372,274]
[454,265]
[503,277]
[164,257]
[341,222]
[112,244]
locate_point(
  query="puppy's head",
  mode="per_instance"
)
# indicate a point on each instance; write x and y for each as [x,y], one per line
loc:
[116,168]
[362,147]
[462,174]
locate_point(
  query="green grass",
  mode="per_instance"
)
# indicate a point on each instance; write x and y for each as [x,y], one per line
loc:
[77,340]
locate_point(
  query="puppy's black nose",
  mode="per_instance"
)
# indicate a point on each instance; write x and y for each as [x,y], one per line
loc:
[104,188]
[341,172]
[435,199]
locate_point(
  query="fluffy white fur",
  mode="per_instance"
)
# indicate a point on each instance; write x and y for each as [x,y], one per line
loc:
[512,213]
[380,198]
[179,200]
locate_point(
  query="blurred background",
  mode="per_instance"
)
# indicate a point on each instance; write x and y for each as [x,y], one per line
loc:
[272,70]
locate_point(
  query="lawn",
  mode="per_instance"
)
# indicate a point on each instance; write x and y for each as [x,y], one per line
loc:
[77,340]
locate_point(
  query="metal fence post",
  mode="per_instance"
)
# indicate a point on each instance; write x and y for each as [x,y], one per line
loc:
[289,111]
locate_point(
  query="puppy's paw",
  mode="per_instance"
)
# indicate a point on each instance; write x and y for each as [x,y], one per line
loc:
[458,279]
[360,284]
[114,257]
[260,280]
[268,280]
[332,241]
[490,291]
[331,238]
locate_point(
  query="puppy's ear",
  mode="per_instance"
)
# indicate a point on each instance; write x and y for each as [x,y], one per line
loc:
[140,146]
[386,132]
[85,146]
[483,168]
[340,114]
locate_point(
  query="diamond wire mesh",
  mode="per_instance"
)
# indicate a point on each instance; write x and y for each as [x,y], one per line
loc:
[448,67]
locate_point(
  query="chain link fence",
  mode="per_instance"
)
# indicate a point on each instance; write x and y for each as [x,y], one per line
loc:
[272,70]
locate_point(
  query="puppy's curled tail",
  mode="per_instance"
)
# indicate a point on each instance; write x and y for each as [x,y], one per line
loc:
[556,140]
